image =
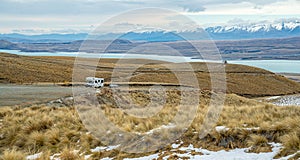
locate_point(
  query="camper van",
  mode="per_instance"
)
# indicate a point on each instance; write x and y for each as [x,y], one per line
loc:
[94,82]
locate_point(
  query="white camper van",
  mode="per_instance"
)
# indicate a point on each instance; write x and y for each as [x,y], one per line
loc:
[94,82]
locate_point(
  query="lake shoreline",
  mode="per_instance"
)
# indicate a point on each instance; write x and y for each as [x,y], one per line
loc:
[277,65]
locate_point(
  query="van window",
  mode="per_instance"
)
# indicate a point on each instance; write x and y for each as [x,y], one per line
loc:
[101,81]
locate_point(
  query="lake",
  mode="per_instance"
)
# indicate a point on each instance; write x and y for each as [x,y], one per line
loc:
[278,66]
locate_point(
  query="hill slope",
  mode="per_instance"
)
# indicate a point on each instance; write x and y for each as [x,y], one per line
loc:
[241,80]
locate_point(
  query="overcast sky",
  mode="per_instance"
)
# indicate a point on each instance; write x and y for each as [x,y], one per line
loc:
[73,16]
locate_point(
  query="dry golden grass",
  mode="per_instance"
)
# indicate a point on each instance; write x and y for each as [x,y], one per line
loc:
[69,154]
[291,141]
[52,130]
[40,129]
[258,144]
[140,99]
[241,80]
[22,69]
[12,155]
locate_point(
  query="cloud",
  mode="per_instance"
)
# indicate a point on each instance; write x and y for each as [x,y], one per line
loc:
[78,15]
[251,7]
[60,7]
[71,7]
[192,8]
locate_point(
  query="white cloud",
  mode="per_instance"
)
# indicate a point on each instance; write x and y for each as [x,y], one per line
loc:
[112,6]
[78,15]
[287,7]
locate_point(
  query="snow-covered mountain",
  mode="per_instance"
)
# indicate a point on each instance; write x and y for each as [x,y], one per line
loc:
[252,28]
[263,30]
[283,29]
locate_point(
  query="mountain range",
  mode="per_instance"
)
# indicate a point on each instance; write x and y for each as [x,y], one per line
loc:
[225,32]
[250,31]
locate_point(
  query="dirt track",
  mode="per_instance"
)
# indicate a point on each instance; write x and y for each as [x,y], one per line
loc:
[28,94]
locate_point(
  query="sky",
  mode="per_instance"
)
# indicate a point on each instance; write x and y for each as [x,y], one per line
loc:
[78,16]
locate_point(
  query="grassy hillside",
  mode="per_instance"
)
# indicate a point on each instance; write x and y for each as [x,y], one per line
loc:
[22,69]
[60,132]
[241,80]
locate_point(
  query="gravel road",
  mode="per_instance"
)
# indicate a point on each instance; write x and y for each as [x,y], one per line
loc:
[28,94]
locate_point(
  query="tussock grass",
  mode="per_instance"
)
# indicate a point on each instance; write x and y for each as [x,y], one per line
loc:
[52,130]
[291,141]
[70,154]
[257,140]
[258,144]
[12,155]
[42,129]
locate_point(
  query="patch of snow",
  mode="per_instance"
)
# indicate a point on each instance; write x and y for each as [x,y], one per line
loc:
[221,129]
[291,25]
[55,157]
[101,148]
[87,156]
[224,128]
[272,98]
[252,129]
[289,156]
[189,148]
[255,28]
[238,154]
[170,125]
[174,146]
[153,156]
[109,148]
[107,158]
[57,101]
[278,26]
[34,156]
[98,149]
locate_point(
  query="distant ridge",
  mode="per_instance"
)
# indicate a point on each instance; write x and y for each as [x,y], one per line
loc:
[42,38]
[227,32]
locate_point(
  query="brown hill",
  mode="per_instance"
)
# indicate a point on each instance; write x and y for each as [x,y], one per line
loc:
[241,80]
